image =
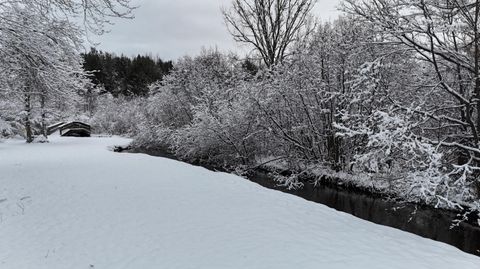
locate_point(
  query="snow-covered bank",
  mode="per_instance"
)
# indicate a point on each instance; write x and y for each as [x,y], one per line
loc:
[74,204]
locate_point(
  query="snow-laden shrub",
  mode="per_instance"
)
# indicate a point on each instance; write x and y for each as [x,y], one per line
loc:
[10,118]
[152,132]
[200,111]
[223,132]
[290,182]
[119,116]
[404,164]
[5,129]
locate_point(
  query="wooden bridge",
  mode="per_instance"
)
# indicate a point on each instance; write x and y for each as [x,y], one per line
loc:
[74,128]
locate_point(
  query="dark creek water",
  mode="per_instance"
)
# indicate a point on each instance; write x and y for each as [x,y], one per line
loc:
[426,221]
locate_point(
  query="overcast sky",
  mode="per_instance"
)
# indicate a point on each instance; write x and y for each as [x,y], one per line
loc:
[173,28]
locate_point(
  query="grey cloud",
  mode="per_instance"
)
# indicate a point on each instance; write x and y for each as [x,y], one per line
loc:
[171,29]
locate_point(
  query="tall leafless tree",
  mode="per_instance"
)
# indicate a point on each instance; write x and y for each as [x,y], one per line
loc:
[271,26]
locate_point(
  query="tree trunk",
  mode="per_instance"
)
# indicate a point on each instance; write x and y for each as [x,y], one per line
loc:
[476,63]
[44,114]
[27,119]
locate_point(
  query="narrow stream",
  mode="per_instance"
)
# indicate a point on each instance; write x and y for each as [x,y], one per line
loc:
[426,221]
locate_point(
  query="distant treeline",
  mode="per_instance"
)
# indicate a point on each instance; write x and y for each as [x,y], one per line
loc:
[122,75]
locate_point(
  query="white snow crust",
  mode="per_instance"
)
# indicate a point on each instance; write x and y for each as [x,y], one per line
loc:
[72,203]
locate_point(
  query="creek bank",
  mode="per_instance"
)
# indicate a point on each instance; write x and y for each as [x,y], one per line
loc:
[422,220]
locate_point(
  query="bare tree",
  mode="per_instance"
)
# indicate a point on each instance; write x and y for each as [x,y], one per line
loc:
[94,14]
[444,35]
[271,26]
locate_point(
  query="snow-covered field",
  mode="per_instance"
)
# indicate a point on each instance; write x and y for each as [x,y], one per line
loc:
[74,204]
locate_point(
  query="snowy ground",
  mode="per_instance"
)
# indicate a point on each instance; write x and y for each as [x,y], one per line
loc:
[74,204]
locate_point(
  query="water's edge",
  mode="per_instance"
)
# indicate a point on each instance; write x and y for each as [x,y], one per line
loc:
[424,221]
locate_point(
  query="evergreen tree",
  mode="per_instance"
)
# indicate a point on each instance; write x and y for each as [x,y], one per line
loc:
[121,75]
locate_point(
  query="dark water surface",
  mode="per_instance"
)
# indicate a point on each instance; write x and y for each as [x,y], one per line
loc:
[426,221]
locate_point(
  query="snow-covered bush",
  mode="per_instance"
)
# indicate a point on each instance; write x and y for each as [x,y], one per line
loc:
[201,112]
[10,122]
[224,134]
[406,165]
[120,116]
[5,129]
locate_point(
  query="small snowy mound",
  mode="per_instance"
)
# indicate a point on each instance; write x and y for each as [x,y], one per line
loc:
[40,139]
[72,203]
